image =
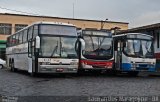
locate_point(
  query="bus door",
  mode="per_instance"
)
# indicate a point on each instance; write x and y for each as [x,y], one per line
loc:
[31,56]
[118,56]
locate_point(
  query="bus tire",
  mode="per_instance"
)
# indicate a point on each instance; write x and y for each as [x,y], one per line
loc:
[32,74]
[13,69]
[81,71]
[9,65]
[134,74]
[1,66]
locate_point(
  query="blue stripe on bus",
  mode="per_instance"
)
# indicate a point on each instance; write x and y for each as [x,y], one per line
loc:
[152,69]
[127,67]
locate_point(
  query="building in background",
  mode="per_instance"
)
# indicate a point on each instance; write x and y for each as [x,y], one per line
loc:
[10,23]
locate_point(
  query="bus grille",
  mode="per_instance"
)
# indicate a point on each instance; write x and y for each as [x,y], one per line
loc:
[140,68]
[143,65]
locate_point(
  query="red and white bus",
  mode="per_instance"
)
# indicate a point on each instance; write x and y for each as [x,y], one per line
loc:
[95,50]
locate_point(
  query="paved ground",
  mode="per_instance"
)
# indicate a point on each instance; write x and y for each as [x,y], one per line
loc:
[22,84]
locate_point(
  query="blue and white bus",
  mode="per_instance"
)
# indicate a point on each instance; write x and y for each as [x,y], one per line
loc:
[134,52]
[43,47]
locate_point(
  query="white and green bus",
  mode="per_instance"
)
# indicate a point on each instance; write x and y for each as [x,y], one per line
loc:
[43,47]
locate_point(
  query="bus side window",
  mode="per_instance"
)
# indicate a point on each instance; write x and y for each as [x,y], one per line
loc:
[20,37]
[30,32]
[18,34]
[25,35]
[13,40]
[35,31]
[10,41]
[16,38]
[30,49]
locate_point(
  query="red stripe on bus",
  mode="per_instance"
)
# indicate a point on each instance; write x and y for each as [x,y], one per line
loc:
[157,55]
[99,63]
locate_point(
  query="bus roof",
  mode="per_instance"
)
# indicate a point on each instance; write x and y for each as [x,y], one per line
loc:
[54,23]
[125,34]
[96,32]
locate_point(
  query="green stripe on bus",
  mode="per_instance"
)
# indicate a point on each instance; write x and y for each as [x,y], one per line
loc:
[3,41]
[2,45]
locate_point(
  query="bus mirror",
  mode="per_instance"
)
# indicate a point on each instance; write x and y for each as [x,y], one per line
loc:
[77,45]
[82,44]
[37,42]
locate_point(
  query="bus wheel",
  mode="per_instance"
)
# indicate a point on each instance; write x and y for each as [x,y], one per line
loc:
[1,66]
[81,71]
[134,74]
[33,74]
[12,67]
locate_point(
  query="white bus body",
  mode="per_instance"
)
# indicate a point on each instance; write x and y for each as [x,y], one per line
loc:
[43,47]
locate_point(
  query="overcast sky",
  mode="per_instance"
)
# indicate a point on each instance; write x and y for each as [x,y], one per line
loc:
[135,12]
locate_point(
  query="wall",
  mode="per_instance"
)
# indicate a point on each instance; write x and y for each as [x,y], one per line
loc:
[80,23]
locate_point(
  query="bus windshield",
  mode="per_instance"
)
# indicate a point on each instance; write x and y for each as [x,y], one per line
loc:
[139,48]
[97,47]
[59,47]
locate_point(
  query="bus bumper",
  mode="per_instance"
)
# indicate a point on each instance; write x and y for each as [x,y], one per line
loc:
[138,67]
[58,69]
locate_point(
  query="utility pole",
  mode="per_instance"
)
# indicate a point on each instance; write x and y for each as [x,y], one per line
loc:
[103,22]
[73,10]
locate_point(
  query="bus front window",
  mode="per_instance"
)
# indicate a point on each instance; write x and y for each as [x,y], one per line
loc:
[68,47]
[138,48]
[147,48]
[58,47]
[49,46]
[129,49]
[97,47]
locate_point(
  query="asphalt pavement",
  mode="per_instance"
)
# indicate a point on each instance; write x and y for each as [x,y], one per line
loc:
[22,84]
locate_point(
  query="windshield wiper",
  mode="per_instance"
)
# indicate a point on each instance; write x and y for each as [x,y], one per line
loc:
[55,49]
[101,42]
[92,42]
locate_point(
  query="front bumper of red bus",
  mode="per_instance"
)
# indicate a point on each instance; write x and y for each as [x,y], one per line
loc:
[96,65]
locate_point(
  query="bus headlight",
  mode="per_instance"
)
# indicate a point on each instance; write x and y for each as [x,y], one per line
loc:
[152,63]
[74,63]
[84,65]
[134,65]
[109,65]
